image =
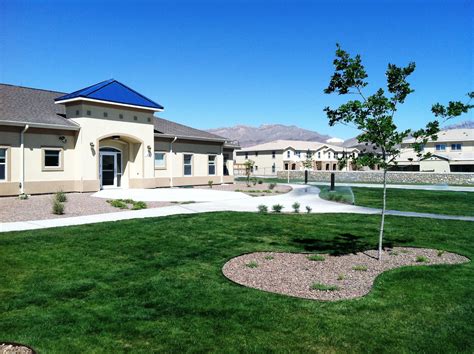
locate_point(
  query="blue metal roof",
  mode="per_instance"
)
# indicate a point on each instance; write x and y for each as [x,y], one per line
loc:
[112,91]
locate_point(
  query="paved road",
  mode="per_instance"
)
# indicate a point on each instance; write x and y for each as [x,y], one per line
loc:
[305,195]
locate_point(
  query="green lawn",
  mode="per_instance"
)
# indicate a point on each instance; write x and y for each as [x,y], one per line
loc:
[438,202]
[156,285]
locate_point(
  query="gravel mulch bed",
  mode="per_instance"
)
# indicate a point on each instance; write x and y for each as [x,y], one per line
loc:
[10,348]
[349,276]
[38,207]
[257,190]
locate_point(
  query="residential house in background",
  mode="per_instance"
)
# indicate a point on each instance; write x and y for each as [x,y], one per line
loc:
[452,152]
[279,155]
[103,136]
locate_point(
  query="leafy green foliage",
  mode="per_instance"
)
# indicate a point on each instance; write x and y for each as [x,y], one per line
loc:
[248,164]
[277,208]
[58,207]
[296,207]
[324,287]
[308,209]
[360,268]
[262,209]
[251,264]
[272,186]
[60,196]
[422,259]
[124,204]
[316,258]
[210,183]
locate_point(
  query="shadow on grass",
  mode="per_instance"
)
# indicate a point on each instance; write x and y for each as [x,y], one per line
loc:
[345,243]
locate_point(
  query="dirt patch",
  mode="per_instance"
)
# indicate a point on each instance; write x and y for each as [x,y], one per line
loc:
[326,277]
[262,189]
[14,348]
[38,207]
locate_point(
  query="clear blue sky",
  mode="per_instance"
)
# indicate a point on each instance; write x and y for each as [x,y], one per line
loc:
[219,63]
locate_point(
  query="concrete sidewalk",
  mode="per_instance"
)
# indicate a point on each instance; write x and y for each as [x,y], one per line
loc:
[305,195]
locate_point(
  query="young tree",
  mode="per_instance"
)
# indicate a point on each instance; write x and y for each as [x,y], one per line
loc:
[374,115]
[248,170]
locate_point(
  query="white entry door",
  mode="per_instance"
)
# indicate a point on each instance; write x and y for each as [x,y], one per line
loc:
[108,169]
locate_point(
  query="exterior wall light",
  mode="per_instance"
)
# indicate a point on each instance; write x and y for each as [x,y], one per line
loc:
[63,139]
[92,145]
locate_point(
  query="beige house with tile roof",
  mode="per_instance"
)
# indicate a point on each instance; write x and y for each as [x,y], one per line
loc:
[452,152]
[103,136]
[280,155]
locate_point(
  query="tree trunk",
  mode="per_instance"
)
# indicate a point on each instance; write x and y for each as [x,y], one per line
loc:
[382,222]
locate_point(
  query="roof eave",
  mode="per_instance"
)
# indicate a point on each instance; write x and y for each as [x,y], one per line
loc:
[80,98]
[39,125]
[189,137]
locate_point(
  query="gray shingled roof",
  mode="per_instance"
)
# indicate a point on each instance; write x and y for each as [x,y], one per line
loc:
[27,105]
[168,127]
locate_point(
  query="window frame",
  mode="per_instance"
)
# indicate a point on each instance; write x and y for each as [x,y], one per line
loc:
[213,164]
[440,145]
[456,145]
[6,163]
[45,168]
[164,160]
[273,154]
[190,164]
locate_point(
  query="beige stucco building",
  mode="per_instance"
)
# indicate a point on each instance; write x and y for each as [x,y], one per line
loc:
[280,155]
[103,136]
[453,151]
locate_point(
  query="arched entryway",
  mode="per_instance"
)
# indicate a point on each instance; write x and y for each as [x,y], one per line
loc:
[110,167]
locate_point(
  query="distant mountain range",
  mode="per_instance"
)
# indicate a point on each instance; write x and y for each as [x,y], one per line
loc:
[249,136]
[468,124]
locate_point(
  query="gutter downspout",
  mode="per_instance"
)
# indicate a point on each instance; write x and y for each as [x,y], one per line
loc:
[22,164]
[171,160]
[222,159]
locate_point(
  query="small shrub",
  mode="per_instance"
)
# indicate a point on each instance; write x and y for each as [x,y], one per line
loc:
[210,183]
[308,209]
[422,259]
[360,268]
[324,287]
[277,208]
[262,209]
[316,257]
[404,251]
[296,207]
[340,277]
[440,253]
[23,196]
[118,203]
[254,181]
[58,207]
[252,264]
[260,181]
[394,253]
[269,258]
[60,196]
[127,201]
[139,205]
[272,185]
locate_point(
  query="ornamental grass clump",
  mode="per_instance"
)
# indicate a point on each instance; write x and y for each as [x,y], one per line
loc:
[58,207]
[422,259]
[60,196]
[296,207]
[262,209]
[316,257]
[252,264]
[323,287]
[277,208]
[308,209]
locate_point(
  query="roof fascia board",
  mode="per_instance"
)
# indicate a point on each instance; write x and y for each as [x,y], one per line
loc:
[38,125]
[188,137]
[108,102]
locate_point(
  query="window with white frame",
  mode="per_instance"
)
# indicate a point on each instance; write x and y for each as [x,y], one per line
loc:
[246,155]
[3,164]
[160,160]
[211,163]
[273,168]
[298,153]
[329,155]
[319,154]
[273,154]
[52,158]
[456,147]
[440,147]
[188,164]
[288,154]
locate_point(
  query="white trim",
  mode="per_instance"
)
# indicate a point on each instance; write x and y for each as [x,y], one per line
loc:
[109,102]
[2,147]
